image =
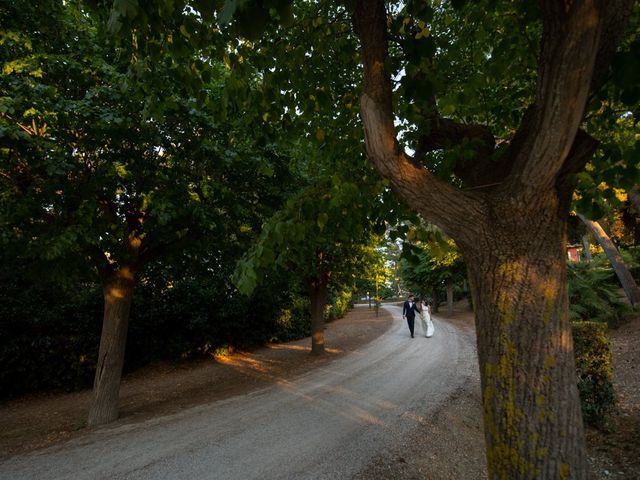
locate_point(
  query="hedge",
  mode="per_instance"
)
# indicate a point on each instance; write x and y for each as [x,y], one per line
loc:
[595,372]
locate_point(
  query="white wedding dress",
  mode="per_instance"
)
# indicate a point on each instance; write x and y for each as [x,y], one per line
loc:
[427,323]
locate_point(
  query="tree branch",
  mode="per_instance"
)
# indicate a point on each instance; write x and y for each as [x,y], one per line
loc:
[617,262]
[432,198]
[579,40]
[569,44]
[581,152]
[481,168]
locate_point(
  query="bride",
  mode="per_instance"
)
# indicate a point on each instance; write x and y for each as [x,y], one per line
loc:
[425,317]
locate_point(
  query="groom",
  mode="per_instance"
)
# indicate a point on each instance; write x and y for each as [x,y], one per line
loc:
[409,312]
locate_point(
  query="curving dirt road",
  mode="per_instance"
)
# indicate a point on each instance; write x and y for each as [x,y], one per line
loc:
[326,424]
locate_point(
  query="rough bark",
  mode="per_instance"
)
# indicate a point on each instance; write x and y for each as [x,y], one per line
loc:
[513,235]
[118,293]
[532,413]
[318,294]
[566,61]
[617,262]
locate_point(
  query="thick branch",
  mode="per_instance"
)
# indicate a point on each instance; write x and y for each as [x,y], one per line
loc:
[445,133]
[101,262]
[569,44]
[434,199]
[581,152]
[370,24]
[454,211]
[151,252]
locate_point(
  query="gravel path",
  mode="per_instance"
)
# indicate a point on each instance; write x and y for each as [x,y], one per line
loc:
[335,421]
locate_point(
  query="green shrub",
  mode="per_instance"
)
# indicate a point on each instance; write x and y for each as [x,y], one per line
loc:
[339,304]
[294,321]
[595,372]
[199,315]
[48,334]
[594,293]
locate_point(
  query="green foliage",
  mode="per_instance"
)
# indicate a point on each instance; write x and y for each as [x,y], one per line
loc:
[319,231]
[631,258]
[339,202]
[293,322]
[454,55]
[594,292]
[339,303]
[613,120]
[375,276]
[426,265]
[595,372]
[91,159]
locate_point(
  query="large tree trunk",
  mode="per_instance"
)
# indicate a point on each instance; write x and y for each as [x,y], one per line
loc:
[318,294]
[617,263]
[118,293]
[532,413]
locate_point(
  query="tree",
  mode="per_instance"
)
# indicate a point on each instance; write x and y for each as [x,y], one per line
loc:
[322,233]
[98,179]
[319,235]
[509,220]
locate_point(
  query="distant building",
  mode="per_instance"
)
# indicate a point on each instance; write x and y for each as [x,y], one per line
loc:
[573,252]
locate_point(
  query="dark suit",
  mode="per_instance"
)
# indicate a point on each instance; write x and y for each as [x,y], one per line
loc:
[409,311]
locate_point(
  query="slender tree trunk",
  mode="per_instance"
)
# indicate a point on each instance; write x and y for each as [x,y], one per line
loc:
[318,294]
[450,296]
[532,413]
[433,295]
[586,245]
[624,275]
[118,293]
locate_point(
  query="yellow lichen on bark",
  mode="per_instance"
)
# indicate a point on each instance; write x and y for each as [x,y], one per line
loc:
[504,451]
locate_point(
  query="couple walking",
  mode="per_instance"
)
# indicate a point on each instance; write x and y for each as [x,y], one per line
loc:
[409,312]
